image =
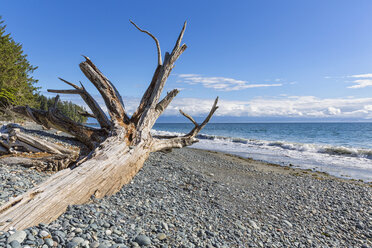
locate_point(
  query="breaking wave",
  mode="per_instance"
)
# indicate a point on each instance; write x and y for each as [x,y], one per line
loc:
[301,147]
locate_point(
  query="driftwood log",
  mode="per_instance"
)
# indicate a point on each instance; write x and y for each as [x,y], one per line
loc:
[118,148]
[18,146]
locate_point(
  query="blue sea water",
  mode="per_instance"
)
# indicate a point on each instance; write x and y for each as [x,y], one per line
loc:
[340,149]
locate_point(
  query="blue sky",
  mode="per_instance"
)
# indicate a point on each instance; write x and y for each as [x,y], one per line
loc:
[266,60]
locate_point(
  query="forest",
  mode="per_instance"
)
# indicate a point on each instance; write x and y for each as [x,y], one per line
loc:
[18,87]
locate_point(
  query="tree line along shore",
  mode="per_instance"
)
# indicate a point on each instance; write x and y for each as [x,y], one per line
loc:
[19,87]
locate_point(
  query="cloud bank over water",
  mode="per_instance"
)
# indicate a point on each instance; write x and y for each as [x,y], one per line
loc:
[283,106]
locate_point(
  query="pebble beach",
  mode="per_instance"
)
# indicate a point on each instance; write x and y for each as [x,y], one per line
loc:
[198,198]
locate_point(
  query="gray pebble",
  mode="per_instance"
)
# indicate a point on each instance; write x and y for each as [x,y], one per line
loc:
[15,244]
[19,236]
[49,242]
[143,240]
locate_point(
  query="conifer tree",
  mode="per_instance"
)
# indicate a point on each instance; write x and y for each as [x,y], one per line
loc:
[17,86]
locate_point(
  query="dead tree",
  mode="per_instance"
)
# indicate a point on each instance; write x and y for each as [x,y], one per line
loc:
[119,147]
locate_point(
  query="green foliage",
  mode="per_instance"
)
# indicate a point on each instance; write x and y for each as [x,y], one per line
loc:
[68,108]
[16,83]
[7,96]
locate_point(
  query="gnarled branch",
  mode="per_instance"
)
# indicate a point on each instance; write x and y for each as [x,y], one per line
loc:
[109,93]
[189,117]
[53,118]
[154,38]
[100,116]
[186,140]
[149,113]
[163,104]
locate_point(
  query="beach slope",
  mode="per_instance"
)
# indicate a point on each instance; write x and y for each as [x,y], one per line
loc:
[197,198]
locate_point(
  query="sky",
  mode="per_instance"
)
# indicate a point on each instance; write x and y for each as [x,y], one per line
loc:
[285,60]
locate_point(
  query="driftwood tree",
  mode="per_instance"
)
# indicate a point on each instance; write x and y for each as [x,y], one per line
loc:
[118,148]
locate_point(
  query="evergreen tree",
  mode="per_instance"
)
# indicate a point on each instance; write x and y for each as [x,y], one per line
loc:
[17,86]
[16,83]
[67,108]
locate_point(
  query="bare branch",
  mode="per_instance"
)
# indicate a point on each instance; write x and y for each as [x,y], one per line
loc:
[178,42]
[163,143]
[31,115]
[108,82]
[64,91]
[146,96]
[89,100]
[86,114]
[176,142]
[213,109]
[197,129]
[71,84]
[150,114]
[109,93]
[56,100]
[54,118]
[189,117]
[163,104]
[154,38]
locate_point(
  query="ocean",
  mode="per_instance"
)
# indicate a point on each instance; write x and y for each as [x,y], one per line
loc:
[340,149]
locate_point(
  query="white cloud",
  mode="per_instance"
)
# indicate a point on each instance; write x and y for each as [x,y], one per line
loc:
[221,83]
[286,106]
[367,75]
[283,106]
[363,81]
[333,111]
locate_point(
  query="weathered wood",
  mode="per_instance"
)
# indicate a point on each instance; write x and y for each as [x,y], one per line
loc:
[117,150]
[89,100]
[106,172]
[109,93]
[38,143]
[3,150]
[154,38]
[55,119]
[150,115]
[25,146]
[163,104]
[35,152]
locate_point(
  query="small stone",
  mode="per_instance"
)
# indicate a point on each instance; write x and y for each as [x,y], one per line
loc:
[95,244]
[44,234]
[18,236]
[161,236]
[143,240]
[71,245]
[78,240]
[15,244]
[135,244]
[359,225]
[108,232]
[49,242]
[165,226]
[94,226]
[78,230]
[287,223]
[31,237]
[253,224]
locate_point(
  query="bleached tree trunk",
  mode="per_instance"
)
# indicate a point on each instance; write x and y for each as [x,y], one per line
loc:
[118,148]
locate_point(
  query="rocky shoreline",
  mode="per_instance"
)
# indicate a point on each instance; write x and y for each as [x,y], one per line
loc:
[196,198]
